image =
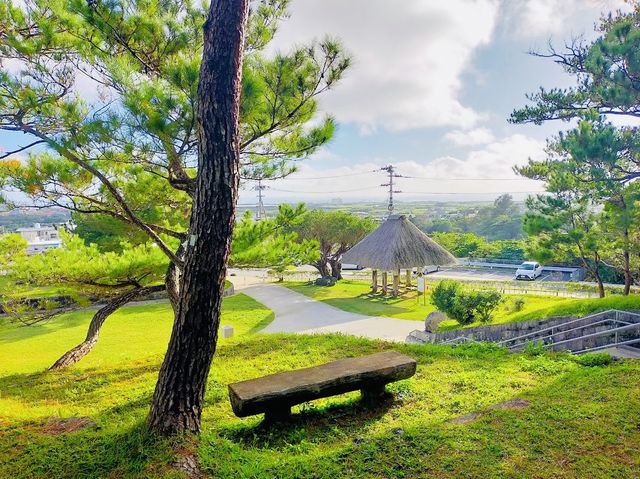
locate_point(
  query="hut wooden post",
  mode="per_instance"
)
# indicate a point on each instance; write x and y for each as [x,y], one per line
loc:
[374,281]
[396,282]
[408,278]
[384,282]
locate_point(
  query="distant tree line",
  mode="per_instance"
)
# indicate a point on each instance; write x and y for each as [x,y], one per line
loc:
[470,245]
[500,221]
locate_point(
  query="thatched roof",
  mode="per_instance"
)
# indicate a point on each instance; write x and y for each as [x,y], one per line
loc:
[397,244]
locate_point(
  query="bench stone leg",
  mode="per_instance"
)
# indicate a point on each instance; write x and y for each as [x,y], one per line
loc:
[277,414]
[373,392]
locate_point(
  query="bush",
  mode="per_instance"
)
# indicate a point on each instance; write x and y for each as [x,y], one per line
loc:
[444,294]
[517,305]
[593,359]
[485,303]
[464,306]
[534,348]
[326,281]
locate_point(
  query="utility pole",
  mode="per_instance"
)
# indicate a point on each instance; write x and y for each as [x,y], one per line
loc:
[261,213]
[392,174]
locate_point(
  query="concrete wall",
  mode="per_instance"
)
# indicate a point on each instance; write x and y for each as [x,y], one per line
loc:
[501,332]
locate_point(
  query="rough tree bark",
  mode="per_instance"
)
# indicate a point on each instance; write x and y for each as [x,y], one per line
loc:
[322,264]
[322,267]
[336,268]
[74,355]
[335,260]
[177,401]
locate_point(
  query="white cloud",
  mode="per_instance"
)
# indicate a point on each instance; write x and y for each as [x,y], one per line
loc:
[477,136]
[531,18]
[409,57]
[483,173]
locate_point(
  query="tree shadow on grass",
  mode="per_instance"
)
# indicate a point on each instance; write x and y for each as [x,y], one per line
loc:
[366,307]
[566,431]
[263,323]
[51,385]
[19,332]
[311,423]
[95,452]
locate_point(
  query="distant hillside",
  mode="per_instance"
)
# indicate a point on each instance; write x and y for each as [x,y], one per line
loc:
[18,218]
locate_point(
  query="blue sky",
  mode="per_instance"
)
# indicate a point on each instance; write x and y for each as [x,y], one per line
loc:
[432,86]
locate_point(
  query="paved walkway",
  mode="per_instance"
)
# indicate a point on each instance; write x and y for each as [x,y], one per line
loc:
[296,313]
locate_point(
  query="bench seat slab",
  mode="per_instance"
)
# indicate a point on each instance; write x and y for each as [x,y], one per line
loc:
[282,390]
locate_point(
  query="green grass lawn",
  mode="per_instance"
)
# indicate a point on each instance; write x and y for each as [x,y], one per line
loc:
[354,296]
[582,422]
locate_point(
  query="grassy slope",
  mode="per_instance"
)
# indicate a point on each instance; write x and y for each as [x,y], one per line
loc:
[353,296]
[582,422]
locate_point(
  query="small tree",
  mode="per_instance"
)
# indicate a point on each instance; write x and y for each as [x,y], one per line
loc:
[117,278]
[336,232]
[269,243]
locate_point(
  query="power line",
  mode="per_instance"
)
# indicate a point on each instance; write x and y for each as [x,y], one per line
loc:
[428,178]
[330,177]
[475,193]
[392,174]
[466,179]
[261,212]
[325,191]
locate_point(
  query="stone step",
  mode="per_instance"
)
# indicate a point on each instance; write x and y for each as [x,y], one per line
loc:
[623,352]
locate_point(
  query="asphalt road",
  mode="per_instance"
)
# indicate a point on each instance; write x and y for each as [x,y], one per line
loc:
[487,274]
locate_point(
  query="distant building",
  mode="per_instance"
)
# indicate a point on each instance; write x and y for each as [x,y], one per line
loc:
[40,238]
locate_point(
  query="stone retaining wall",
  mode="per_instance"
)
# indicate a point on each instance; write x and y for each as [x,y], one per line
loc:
[501,332]
[495,332]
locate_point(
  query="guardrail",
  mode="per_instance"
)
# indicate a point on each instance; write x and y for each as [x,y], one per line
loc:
[556,336]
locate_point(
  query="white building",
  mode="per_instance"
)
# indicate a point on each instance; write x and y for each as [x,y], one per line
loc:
[40,238]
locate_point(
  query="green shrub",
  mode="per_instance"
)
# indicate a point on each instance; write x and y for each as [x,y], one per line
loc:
[464,306]
[593,359]
[517,305]
[534,348]
[444,294]
[485,303]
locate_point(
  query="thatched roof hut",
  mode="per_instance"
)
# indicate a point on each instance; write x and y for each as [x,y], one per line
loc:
[397,244]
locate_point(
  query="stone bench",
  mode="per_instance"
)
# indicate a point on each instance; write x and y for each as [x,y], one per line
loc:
[275,394]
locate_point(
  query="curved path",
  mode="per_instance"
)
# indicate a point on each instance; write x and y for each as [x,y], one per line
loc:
[296,313]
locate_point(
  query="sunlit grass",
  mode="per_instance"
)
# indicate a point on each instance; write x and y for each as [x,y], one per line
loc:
[355,296]
[580,422]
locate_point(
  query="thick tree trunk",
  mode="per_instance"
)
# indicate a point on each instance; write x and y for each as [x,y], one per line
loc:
[177,401]
[322,267]
[336,268]
[322,264]
[74,355]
